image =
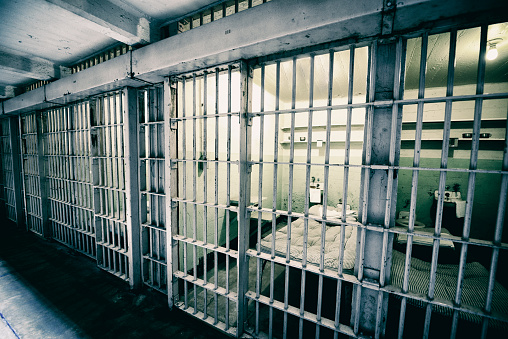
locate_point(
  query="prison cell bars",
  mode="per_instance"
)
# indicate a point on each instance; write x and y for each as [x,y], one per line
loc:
[31,173]
[8,173]
[392,160]
[288,262]
[307,184]
[444,164]
[347,148]
[260,197]
[115,200]
[152,191]
[398,78]
[496,244]
[67,152]
[290,194]
[274,199]
[496,241]
[14,134]
[244,167]
[171,187]
[366,171]
[4,151]
[181,237]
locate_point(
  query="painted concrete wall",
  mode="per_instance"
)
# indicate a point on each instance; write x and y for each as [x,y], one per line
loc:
[490,158]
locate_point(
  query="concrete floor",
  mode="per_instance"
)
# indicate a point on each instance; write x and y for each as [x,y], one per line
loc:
[50,291]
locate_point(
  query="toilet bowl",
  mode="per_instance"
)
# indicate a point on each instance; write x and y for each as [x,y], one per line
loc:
[404,222]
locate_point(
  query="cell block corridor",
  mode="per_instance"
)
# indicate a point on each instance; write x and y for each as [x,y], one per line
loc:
[352,189]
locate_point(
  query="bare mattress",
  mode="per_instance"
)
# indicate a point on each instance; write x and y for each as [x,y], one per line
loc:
[332,241]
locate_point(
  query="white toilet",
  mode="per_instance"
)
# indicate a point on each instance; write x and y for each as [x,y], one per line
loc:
[403,220]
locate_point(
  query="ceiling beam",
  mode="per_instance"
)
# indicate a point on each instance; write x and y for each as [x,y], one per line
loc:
[35,68]
[7,92]
[274,27]
[109,19]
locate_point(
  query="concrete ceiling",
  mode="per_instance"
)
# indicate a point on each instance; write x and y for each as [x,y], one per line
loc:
[39,39]
[466,67]
[466,59]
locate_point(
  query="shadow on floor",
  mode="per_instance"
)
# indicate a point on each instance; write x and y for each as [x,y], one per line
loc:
[94,303]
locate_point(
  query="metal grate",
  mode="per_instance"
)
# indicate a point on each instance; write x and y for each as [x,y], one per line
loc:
[458,141]
[7,176]
[31,173]
[308,131]
[68,160]
[206,233]
[109,184]
[152,192]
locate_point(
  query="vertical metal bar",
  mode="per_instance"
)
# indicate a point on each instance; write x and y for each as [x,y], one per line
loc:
[472,179]
[497,238]
[444,159]
[366,173]
[228,193]
[347,154]
[171,188]
[129,109]
[260,177]
[43,188]
[194,193]
[307,184]
[216,201]
[389,190]
[244,195]
[184,186]
[274,196]
[205,190]
[260,195]
[325,192]
[290,196]
[345,185]
[24,170]
[17,170]
[442,184]
[409,245]
[376,150]
[416,163]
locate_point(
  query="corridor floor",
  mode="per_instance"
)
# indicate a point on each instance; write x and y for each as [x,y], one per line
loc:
[50,291]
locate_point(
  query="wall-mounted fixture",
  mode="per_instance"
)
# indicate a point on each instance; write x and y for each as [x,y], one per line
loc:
[454,142]
[492,48]
[482,135]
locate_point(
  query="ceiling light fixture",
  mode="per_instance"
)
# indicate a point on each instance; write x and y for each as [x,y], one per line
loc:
[492,50]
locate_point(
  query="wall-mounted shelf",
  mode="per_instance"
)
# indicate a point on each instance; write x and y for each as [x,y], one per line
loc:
[495,130]
[315,142]
[322,127]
